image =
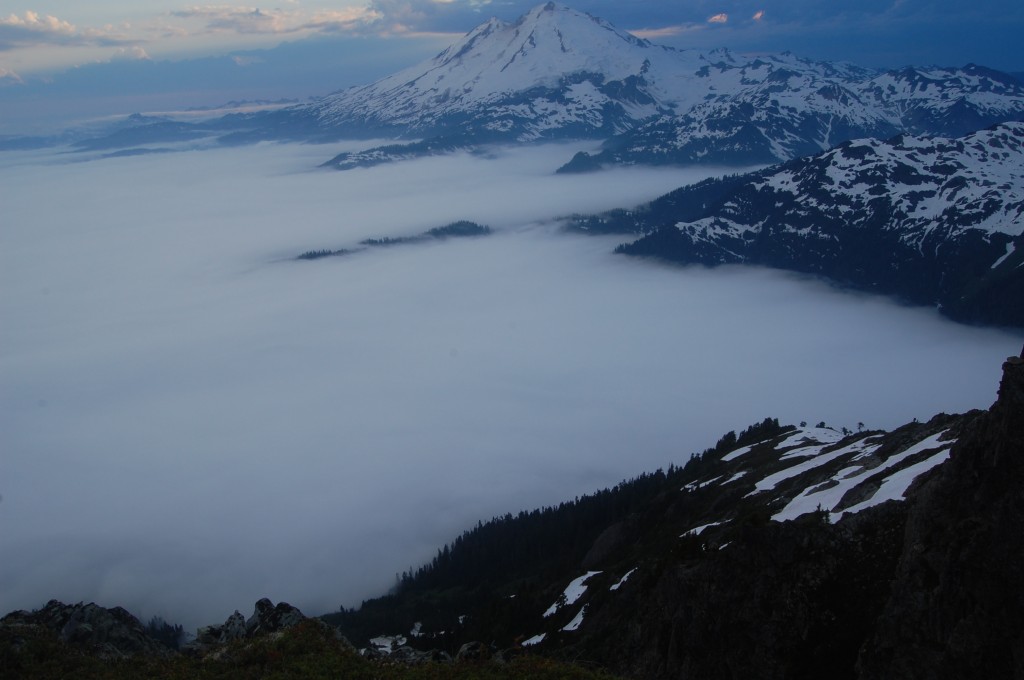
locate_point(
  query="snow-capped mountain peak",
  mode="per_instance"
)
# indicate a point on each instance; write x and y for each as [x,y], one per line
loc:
[542,47]
[555,67]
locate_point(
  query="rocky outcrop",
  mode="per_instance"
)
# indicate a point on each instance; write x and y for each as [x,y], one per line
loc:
[957,606]
[107,633]
[266,619]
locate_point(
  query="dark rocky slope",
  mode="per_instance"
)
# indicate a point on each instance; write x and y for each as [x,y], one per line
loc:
[957,606]
[929,588]
[779,558]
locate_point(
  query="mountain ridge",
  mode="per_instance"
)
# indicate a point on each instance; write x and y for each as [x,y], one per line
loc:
[933,221]
[788,573]
[557,73]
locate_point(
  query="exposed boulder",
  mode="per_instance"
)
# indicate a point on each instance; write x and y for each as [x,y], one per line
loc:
[473,651]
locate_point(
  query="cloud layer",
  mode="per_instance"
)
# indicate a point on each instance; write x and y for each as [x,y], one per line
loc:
[192,420]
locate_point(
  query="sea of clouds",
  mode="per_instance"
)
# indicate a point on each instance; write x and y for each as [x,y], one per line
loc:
[191,419]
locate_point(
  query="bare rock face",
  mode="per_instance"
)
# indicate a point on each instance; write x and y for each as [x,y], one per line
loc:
[270,619]
[957,605]
[107,633]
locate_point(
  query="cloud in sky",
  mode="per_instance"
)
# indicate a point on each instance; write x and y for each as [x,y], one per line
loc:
[33,29]
[719,18]
[9,78]
[32,23]
[134,53]
[253,20]
[656,34]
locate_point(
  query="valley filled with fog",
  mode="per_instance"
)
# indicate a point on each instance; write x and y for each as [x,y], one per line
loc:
[192,419]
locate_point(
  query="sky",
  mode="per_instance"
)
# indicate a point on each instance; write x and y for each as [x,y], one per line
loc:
[191,419]
[67,60]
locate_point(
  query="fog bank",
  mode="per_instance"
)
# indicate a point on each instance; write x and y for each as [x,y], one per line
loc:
[193,420]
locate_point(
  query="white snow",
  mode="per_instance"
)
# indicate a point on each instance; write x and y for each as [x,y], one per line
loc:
[1010,247]
[535,640]
[623,579]
[498,60]
[693,486]
[811,498]
[388,643]
[577,620]
[816,435]
[573,592]
[894,486]
[818,459]
[696,531]
[737,453]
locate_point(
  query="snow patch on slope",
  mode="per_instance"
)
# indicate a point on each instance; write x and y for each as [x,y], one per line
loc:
[827,495]
[572,593]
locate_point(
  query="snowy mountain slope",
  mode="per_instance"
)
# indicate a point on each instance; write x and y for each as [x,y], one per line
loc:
[932,220]
[786,107]
[946,101]
[553,69]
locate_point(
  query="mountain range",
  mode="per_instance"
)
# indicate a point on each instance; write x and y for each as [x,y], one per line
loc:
[557,73]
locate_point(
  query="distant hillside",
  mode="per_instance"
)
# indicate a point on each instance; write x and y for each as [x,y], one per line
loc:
[932,221]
